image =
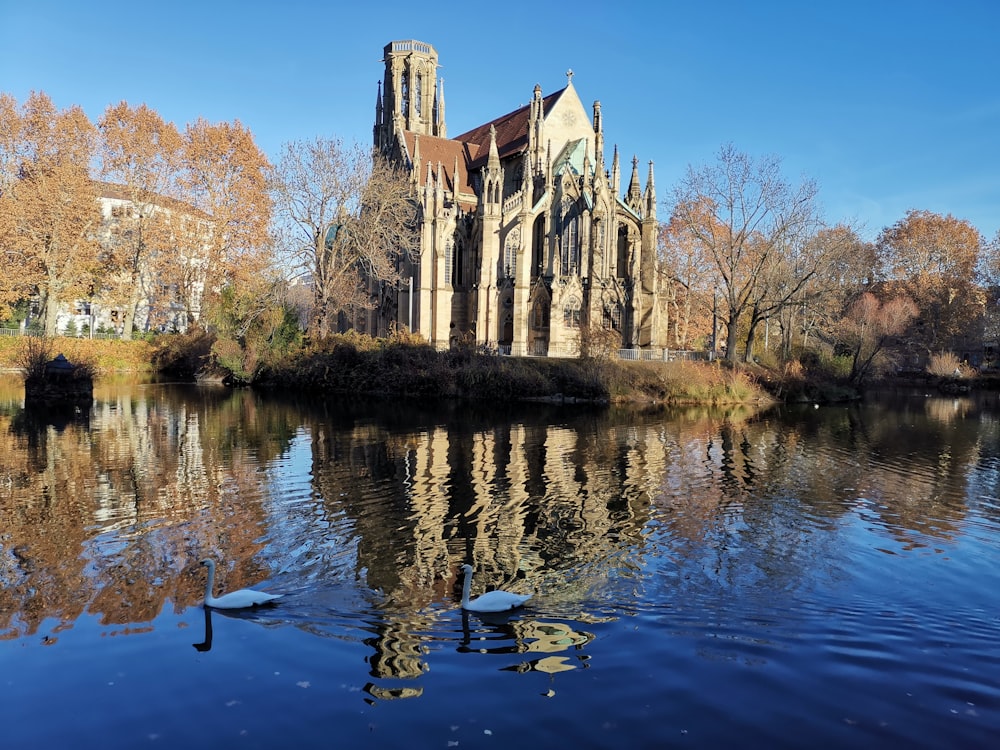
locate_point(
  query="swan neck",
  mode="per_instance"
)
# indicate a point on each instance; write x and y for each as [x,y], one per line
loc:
[210,584]
[466,588]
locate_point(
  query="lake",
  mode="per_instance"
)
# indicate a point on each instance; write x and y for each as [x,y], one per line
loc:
[782,578]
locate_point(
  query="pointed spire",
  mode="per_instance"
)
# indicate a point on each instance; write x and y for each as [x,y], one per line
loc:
[378,105]
[634,194]
[416,149]
[598,142]
[428,187]
[650,193]
[442,130]
[439,188]
[616,174]
[494,159]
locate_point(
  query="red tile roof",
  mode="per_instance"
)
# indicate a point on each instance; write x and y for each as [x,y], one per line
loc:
[512,131]
[472,148]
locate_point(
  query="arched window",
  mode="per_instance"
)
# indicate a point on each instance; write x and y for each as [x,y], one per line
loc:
[569,250]
[613,318]
[404,94]
[418,90]
[449,262]
[510,253]
[622,270]
[539,315]
[538,247]
[571,313]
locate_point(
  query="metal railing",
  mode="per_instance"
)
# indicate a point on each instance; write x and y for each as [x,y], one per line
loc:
[628,355]
[78,335]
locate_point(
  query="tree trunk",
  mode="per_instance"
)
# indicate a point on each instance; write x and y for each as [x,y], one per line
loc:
[732,339]
[51,315]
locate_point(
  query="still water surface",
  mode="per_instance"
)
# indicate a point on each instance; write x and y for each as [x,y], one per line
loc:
[702,578]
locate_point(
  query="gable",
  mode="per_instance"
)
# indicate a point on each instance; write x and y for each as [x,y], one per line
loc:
[567,121]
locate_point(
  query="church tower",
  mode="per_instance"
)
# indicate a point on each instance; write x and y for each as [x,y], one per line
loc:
[410,97]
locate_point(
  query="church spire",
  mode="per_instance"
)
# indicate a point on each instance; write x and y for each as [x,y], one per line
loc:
[494,158]
[598,142]
[634,200]
[441,130]
[616,175]
[650,193]
[415,160]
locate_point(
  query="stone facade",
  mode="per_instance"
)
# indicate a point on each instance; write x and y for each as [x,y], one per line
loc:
[526,237]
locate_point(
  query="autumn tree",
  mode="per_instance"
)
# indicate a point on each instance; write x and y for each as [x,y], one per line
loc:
[346,220]
[141,156]
[932,259]
[686,285]
[988,271]
[868,326]
[839,266]
[225,240]
[49,203]
[989,277]
[748,223]
[11,285]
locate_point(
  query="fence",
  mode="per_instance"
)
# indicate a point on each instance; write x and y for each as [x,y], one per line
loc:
[630,355]
[88,335]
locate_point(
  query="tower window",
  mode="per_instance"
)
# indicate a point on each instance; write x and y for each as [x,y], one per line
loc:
[418,93]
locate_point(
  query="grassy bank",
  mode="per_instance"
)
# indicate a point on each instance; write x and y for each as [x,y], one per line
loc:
[353,365]
[399,367]
[106,356]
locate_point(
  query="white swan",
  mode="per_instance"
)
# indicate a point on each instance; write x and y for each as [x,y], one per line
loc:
[234,599]
[491,601]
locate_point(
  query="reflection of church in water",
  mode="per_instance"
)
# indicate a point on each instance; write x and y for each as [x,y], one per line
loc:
[525,238]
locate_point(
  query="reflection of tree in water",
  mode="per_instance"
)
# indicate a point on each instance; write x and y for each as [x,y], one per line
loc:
[754,510]
[108,514]
[112,519]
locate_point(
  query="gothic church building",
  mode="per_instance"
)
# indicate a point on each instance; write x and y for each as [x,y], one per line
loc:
[526,236]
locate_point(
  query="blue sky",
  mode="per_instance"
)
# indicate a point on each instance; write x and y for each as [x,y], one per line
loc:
[888,104]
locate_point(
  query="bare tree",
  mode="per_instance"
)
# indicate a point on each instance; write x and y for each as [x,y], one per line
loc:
[842,266]
[749,224]
[345,220]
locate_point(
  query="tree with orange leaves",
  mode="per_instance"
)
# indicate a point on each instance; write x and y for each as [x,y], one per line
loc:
[687,285]
[868,326]
[932,259]
[52,218]
[223,176]
[141,155]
